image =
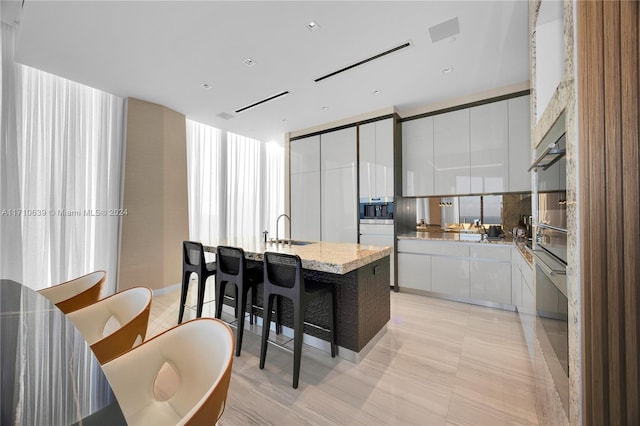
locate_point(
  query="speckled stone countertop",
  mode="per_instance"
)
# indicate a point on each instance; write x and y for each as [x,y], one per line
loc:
[460,237]
[336,258]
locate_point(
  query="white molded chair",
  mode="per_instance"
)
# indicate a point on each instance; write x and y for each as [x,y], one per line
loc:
[129,308]
[76,293]
[200,352]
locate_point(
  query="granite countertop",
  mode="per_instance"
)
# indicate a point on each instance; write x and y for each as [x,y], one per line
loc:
[460,237]
[336,258]
[450,236]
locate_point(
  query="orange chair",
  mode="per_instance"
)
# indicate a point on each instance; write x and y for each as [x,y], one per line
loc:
[201,353]
[77,293]
[128,308]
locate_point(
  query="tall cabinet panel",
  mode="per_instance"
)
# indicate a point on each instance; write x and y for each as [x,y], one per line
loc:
[489,148]
[339,199]
[376,159]
[367,149]
[384,158]
[451,153]
[519,145]
[417,157]
[305,188]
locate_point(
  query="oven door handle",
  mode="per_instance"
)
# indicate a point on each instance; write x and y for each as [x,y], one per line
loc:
[545,267]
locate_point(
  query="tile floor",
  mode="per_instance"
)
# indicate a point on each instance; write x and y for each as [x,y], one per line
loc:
[439,363]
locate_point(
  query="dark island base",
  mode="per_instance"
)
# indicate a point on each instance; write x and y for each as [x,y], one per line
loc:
[362,300]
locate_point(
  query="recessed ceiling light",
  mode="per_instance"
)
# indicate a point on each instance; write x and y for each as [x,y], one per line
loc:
[249,62]
[452,40]
[324,108]
[376,92]
[447,70]
[284,120]
[313,25]
[205,86]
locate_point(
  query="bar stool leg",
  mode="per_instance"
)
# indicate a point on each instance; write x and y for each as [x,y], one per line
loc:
[183,294]
[266,322]
[219,297]
[240,316]
[298,325]
[201,285]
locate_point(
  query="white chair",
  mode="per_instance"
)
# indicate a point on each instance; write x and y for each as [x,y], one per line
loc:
[76,293]
[130,310]
[200,352]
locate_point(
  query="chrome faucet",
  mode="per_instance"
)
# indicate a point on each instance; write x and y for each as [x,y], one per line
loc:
[278,221]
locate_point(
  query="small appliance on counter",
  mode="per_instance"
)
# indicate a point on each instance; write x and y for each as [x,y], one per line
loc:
[495,233]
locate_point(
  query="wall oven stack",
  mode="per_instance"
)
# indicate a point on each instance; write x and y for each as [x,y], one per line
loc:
[550,254]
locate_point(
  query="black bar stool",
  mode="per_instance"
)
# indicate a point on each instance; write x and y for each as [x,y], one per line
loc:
[232,269]
[283,278]
[193,262]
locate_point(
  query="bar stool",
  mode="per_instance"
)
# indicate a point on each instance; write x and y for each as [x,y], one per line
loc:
[193,262]
[283,278]
[232,268]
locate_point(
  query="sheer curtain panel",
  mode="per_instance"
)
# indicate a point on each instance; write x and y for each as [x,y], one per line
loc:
[67,176]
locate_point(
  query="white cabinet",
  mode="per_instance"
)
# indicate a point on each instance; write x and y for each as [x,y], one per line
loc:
[450,275]
[376,159]
[339,205]
[417,157]
[305,154]
[489,147]
[305,206]
[414,271]
[451,153]
[491,281]
[516,286]
[338,149]
[305,188]
[519,144]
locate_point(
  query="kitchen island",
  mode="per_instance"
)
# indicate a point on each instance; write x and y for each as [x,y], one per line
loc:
[360,274]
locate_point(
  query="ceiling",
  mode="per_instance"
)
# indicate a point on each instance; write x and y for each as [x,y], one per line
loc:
[163,51]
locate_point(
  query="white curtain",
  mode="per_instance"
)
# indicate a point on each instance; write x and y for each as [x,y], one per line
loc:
[236,184]
[68,175]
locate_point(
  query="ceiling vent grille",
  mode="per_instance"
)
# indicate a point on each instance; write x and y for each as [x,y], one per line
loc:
[444,30]
[225,115]
[364,61]
[255,104]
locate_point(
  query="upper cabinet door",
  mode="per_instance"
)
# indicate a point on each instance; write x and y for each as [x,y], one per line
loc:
[338,149]
[384,158]
[367,146]
[305,154]
[417,157]
[489,148]
[451,153]
[519,145]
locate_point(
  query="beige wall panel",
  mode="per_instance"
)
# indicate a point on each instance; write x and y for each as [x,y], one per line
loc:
[155,196]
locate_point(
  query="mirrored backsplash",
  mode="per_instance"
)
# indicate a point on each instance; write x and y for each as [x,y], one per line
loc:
[510,210]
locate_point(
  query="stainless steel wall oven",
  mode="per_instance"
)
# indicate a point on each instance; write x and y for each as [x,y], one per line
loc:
[550,254]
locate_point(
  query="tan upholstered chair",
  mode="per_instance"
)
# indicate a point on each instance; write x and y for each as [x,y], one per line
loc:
[77,293]
[130,311]
[200,352]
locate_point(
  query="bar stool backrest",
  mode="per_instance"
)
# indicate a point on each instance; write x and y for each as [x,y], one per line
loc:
[193,253]
[230,260]
[284,270]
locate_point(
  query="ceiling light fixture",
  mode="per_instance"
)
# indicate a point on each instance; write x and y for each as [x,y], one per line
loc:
[249,62]
[376,92]
[447,70]
[324,108]
[313,25]
[205,86]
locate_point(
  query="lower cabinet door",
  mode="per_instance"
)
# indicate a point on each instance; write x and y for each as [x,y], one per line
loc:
[414,271]
[491,281]
[516,286]
[450,276]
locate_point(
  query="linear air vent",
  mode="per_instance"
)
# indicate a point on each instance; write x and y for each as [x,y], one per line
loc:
[364,61]
[255,104]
